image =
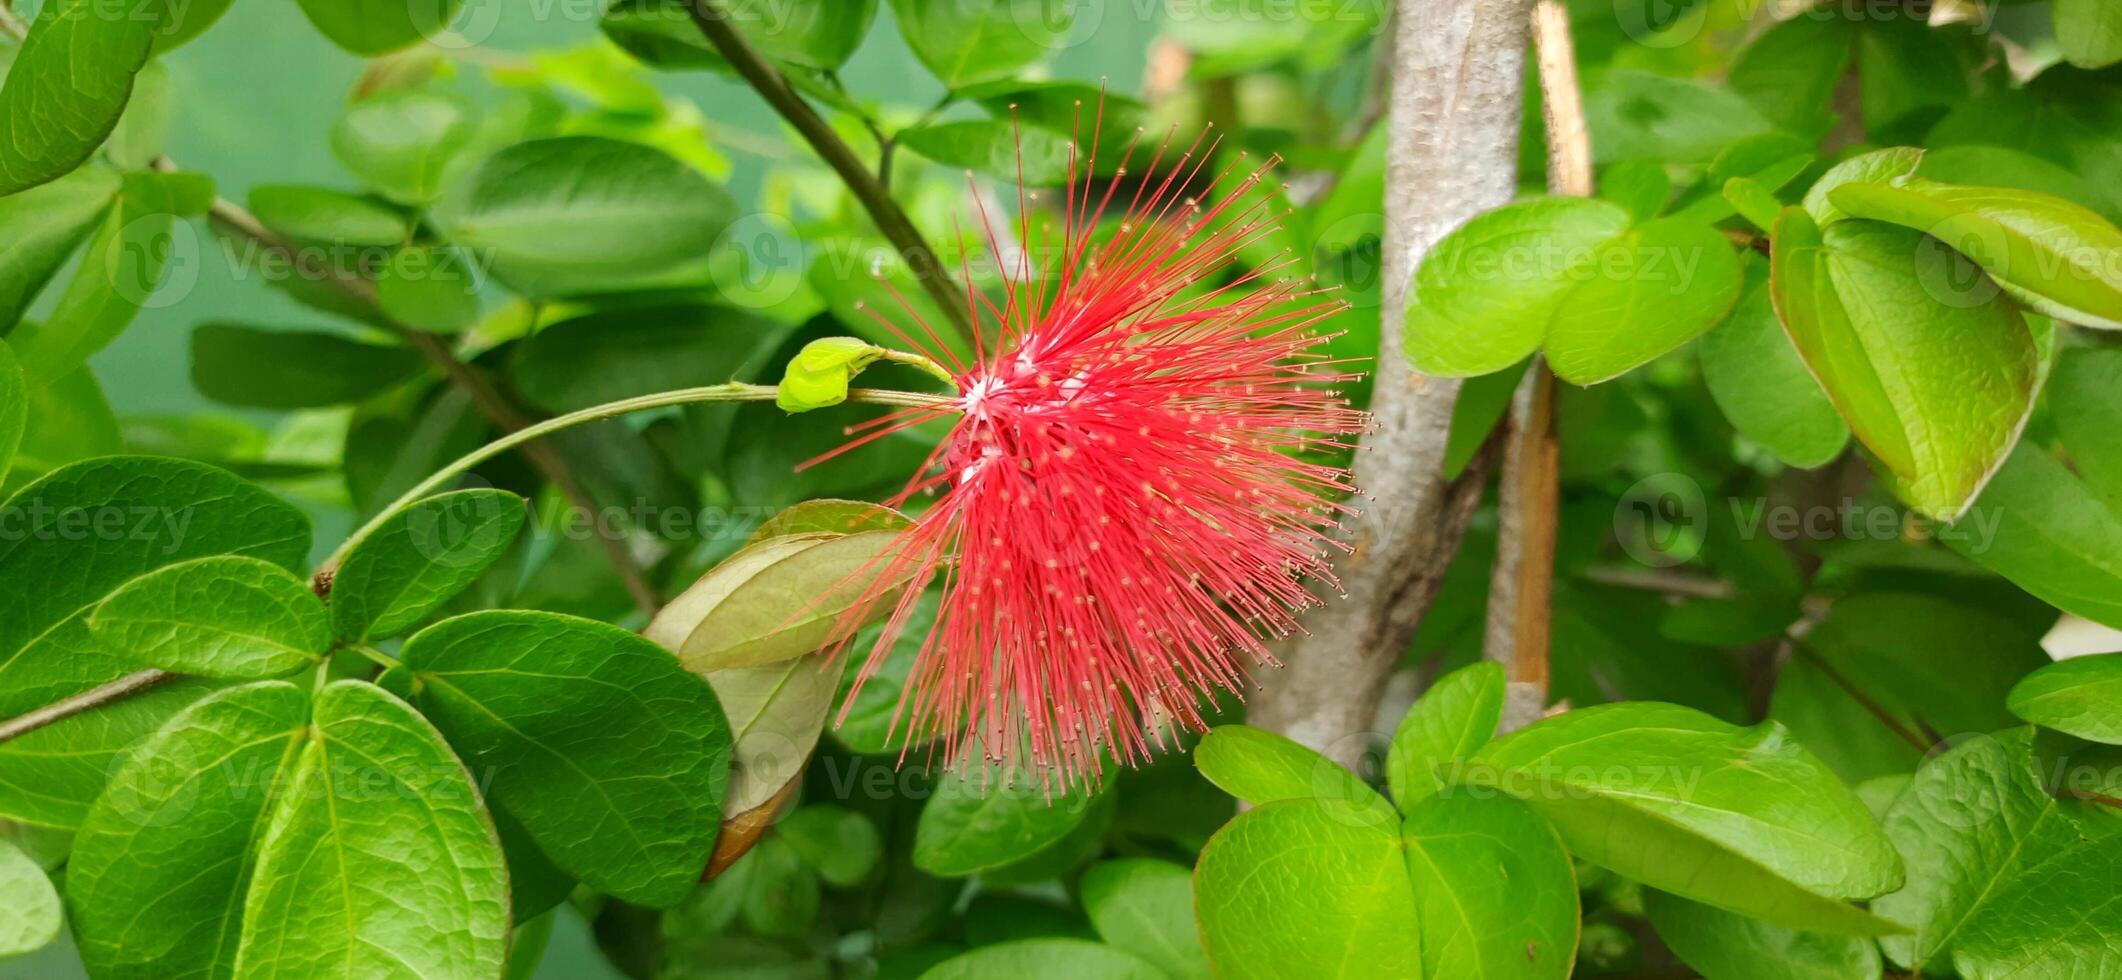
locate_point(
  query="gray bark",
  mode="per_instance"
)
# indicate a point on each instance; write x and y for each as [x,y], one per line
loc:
[1457,80]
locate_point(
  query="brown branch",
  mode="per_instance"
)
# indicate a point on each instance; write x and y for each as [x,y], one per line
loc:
[486,398]
[869,191]
[1521,588]
[1451,152]
[95,697]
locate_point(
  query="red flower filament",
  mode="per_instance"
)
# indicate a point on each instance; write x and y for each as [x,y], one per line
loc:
[1130,499]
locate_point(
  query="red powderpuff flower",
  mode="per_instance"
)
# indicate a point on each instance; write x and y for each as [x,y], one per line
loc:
[1131,496]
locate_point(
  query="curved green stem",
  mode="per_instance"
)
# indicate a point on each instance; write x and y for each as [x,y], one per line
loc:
[732,392]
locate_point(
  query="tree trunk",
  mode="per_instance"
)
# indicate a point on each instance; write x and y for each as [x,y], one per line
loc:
[1457,83]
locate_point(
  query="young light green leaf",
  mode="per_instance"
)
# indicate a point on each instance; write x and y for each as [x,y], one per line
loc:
[784,598]
[1356,914]
[629,804]
[990,816]
[2051,254]
[1743,819]
[2050,536]
[1756,377]
[1936,384]
[1146,907]
[1448,723]
[580,213]
[2088,31]
[401,143]
[373,27]
[1570,275]
[967,41]
[1753,202]
[14,407]
[2081,696]
[830,517]
[227,616]
[1259,766]
[1971,822]
[43,225]
[166,854]
[419,558]
[1493,889]
[316,214]
[67,87]
[255,367]
[1875,166]
[1044,959]
[29,907]
[1720,944]
[995,148]
[380,859]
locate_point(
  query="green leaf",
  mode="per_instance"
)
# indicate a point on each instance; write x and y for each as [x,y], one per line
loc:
[1740,818]
[1044,959]
[2049,922]
[401,143]
[1642,188]
[1937,384]
[2081,696]
[2088,31]
[1637,115]
[1997,166]
[258,367]
[784,597]
[817,34]
[1146,907]
[42,227]
[1453,719]
[1764,388]
[1971,822]
[373,27]
[429,288]
[1791,70]
[1875,167]
[2085,401]
[67,87]
[995,148]
[1493,889]
[2049,253]
[2050,535]
[187,21]
[1259,766]
[1720,944]
[121,269]
[14,407]
[319,215]
[1569,274]
[29,907]
[1292,889]
[967,41]
[1933,663]
[990,816]
[108,520]
[381,859]
[613,354]
[662,35]
[166,855]
[582,213]
[830,517]
[840,844]
[419,558]
[226,616]
[609,753]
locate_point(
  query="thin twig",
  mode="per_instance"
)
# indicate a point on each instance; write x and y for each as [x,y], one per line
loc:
[1521,590]
[95,697]
[869,191]
[485,397]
